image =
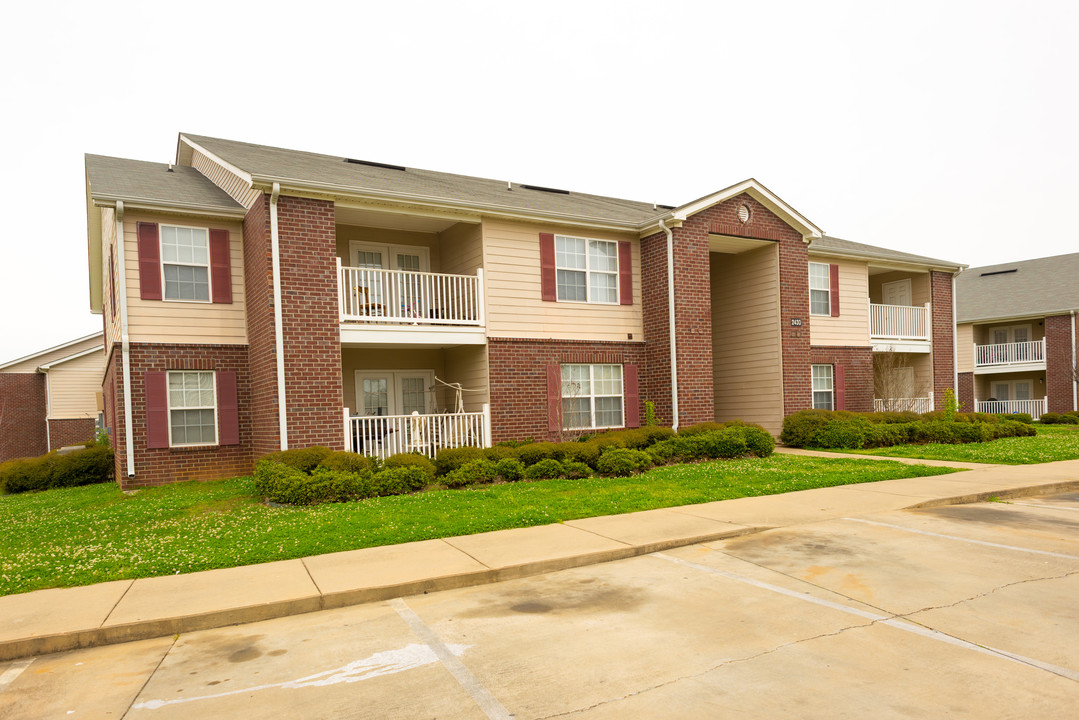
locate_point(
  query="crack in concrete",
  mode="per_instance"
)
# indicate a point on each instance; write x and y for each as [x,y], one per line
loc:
[907,615]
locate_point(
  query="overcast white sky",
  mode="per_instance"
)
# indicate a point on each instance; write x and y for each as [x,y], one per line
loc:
[944,128]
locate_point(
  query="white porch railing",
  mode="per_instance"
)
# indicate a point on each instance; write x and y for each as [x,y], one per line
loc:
[899,322]
[385,435]
[918,405]
[1035,407]
[410,298]
[1019,353]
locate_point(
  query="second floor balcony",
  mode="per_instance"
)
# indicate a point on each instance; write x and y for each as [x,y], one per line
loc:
[903,328]
[1008,357]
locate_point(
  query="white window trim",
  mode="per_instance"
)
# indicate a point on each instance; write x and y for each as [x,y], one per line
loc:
[813,390]
[587,270]
[388,251]
[217,412]
[394,393]
[1010,329]
[828,277]
[209,274]
[993,384]
[592,395]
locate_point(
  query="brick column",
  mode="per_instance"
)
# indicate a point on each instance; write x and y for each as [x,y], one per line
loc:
[1058,363]
[940,293]
[261,350]
[655,374]
[966,391]
[22,415]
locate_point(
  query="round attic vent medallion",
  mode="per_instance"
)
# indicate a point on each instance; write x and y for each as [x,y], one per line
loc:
[743,214]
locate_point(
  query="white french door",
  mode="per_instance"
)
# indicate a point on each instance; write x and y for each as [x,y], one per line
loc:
[394,392]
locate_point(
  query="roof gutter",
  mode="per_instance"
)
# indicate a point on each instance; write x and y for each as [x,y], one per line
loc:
[125,343]
[279,337]
[670,323]
[101,200]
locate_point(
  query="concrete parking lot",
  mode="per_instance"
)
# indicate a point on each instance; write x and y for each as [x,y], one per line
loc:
[958,611]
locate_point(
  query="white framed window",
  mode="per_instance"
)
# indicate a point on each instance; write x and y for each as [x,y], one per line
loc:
[185,263]
[1012,389]
[192,407]
[820,289]
[823,387]
[592,396]
[586,270]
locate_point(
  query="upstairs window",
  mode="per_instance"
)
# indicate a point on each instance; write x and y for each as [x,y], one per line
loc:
[586,270]
[820,289]
[185,263]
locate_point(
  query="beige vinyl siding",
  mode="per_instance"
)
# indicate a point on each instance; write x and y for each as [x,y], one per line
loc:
[964,345]
[852,326]
[161,321]
[31,364]
[347,234]
[514,306]
[108,242]
[919,286]
[746,351]
[73,387]
[237,188]
[467,364]
[462,248]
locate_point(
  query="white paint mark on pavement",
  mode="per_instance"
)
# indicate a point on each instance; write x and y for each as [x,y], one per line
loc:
[14,670]
[963,539]
[889,620]
[487,702]
[384,663]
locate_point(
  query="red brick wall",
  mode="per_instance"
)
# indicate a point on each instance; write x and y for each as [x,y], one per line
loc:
[1058,363]
[159,466]
[258,299]
[940,289]
[858,373]
[966,391]
[22,415]
[693,309]
[518,380]
[70,431]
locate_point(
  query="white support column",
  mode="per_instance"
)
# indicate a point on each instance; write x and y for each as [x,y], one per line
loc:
[348,426]
[486,425]
[340,295]
[481,311]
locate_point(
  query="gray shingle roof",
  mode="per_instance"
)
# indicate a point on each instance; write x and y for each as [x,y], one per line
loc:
[1036,287]
[848,247]
[135,180]
[266,162]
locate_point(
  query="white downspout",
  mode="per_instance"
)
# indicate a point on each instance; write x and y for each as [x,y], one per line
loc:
[279,337]
[670,322]
[955,340]
[1075,370]
[48,412]
[125,341]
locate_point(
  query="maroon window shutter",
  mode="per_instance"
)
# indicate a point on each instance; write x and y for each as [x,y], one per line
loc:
[548,285]
[149,263]
[625,274]
[220,266]
[840,387]
[554,397]
[157,409]
[833,285]
[633,395]
[228,412]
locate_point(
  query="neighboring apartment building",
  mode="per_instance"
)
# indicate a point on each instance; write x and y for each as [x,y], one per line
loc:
[51,398]
[422,309]
[1016,336]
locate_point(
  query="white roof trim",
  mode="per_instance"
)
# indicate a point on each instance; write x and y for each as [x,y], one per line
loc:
[760,193]
[31,356]
[245,176]
[84,353]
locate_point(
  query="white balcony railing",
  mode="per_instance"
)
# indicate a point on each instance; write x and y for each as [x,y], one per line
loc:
[1020,353]
[385,435]
[918,405]
[899,322]
[403,297]
[1035,407]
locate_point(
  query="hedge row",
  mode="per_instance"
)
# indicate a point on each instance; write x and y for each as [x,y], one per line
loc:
[846,430]
[1068,418]
[312,475]
[53,470]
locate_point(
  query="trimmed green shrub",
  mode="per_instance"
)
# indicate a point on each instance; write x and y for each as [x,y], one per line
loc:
[544,470]
[657,433]
[416,460]
[663,452]
[303,459]
[1050,418]
[576,470]
[623,462]
[343,461]
[285,484]
[400,480]
[704,427]
[1069,419]
[477,471]
[53,470]
[510,469]
[586,452]
[500,452]
[449,459]
[534,453]
[759,442]
[838,433]
[801,427]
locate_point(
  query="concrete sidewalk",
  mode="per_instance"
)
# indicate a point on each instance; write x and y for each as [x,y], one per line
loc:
[63,619]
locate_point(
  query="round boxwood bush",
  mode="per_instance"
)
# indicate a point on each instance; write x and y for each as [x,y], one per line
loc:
[401,460]
[838,433]
[477,471]
[302,459]
[534,453]
[285,484]
[759,442]
[800,428]
[500,452]
[400,480]
[94,464]
[544,470]
[449,459]
[586,452]
[622,462]
[343,461]
[576,470]
[510,469]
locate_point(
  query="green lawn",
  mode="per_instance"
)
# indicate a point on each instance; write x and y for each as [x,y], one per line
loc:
[1053,442]
[78,536]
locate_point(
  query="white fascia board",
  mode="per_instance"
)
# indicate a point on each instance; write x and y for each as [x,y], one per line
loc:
[352,335]
[760,193]
[44,368]
[148,205]
[244,175]
[882,260]
[61,346]
[1013,318]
